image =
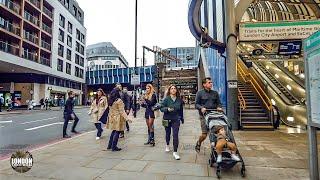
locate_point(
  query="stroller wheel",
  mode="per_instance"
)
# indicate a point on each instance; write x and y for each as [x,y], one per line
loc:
[243,171]
[218,173]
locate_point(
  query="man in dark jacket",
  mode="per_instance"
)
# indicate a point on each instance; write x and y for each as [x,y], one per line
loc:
[69,114]
[206,99]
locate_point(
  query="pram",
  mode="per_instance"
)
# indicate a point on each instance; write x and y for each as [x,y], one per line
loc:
[214,118]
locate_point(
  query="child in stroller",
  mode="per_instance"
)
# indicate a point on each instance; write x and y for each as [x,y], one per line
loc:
[224,141]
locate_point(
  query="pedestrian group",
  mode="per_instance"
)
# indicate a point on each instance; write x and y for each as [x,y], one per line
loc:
[113,110]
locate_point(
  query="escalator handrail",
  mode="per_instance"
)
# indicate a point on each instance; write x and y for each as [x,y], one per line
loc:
[264,97]
[287,72]
[289,92]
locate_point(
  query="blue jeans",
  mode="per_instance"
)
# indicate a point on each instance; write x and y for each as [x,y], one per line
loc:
[99,128]
[175,125]
[113,141]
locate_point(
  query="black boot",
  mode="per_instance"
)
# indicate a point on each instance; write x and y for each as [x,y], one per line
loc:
[148,142]
[152,142]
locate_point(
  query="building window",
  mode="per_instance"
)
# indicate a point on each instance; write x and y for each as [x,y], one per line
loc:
[75,10]
[69,41]
[81,49]
[81,74]
[60,65]
[61,35]
[81,61]
[77,72]
[77,59]
[68,68]
[78,35]
[69,27]
[78,47]
[69,54]
[67,4]
[83,38]
[62,21]
[60,50]
[80,15]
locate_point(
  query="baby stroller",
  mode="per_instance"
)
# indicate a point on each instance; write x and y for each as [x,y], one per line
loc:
[215,118]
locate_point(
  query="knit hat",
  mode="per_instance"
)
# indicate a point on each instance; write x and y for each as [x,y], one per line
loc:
[217,129]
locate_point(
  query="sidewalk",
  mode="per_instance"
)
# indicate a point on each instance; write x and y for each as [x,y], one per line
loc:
[267,155]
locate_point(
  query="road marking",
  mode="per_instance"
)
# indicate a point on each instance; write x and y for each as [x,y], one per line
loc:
[5,121]
[38,120]
[38,127]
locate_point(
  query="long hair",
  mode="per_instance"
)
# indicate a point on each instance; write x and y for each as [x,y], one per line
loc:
[114,95]
[97,97]
[152,91]
[168,91]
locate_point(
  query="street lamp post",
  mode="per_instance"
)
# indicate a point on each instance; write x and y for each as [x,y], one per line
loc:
[135,58]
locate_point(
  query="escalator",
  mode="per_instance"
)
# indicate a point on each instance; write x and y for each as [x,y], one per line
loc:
[283,90]
[278,84]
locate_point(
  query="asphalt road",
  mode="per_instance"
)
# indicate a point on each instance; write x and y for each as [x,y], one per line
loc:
[30,130]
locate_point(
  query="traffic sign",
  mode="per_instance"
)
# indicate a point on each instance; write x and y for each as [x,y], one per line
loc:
[135,79]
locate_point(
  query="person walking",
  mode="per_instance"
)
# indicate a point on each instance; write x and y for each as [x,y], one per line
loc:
[98,106]
[69,114]
[172,108]
[1,103]
[116,118]
[46,102]
[206,99]
[61,102]
[41,103]
[126,100]
[148,101]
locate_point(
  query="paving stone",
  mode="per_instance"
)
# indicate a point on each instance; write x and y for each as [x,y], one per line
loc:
[131,165]
[125,175]
[177,168]
[103,163]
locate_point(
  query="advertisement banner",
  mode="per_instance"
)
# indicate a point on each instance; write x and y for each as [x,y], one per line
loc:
[286,30]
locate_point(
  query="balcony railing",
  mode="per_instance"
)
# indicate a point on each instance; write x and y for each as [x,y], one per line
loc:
[45,61]
[45,45]
[10,27]
[30,37]
[47,11]
[31,18]
[8,48]
[11,5]
[30,56]
[35,2]
[46,28]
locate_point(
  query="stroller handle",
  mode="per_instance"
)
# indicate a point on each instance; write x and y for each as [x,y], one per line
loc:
[214,110]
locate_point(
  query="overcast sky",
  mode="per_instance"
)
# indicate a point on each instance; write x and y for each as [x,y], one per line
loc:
[160,22]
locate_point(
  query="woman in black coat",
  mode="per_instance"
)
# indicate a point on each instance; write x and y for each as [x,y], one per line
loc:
[149,100]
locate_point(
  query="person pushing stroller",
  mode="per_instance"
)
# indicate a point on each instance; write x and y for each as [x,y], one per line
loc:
[224,141]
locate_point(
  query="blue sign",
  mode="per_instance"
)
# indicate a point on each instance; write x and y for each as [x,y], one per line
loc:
[290,48]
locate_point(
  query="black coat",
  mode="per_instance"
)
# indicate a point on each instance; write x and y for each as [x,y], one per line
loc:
[149,104]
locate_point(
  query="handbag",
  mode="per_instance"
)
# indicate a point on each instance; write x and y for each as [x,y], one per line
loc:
[165,123]
[104,118]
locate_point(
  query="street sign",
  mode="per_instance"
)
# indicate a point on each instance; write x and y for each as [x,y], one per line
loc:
[232,84]
[135,79]
[290,48]
[277,30]
[312,74]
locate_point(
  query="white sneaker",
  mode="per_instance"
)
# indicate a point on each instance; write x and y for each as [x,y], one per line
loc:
[235,157]
[219,158]
[97,138]
[167,148]
[176,155]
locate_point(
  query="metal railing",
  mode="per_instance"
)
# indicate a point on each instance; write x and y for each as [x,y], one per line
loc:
[10,27]
[8,48]
[47,12]
[46,28]
[31,18]
[242,103]
[45,45]
[35,2]
[45,61]
[30,37]
[30,56]
[11,5]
